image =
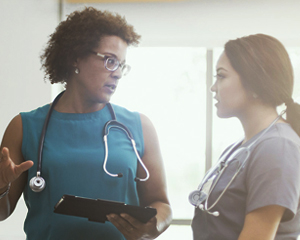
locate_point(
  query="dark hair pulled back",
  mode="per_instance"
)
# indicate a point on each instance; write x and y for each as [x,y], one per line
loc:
[266,70]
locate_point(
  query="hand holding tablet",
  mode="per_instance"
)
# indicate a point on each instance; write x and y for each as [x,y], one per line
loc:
[97,209]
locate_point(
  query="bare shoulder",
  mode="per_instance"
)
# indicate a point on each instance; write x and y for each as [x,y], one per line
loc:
[149,133]
[145,120]
[147,125]
[16,122]
[14,128]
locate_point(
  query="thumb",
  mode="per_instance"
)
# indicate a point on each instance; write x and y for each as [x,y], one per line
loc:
[19,169]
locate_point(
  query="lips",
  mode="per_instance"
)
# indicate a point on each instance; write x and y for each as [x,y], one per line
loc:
[111,86]
[217,101]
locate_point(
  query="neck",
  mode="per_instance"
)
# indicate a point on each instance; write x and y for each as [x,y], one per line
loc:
[75,102]
[257,119]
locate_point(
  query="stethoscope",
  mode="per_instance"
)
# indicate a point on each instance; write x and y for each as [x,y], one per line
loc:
[199,198]
[37,183]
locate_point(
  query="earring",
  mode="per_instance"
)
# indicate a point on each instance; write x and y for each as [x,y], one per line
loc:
[76,70]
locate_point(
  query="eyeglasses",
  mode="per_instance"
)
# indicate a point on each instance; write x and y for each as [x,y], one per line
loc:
[112,64]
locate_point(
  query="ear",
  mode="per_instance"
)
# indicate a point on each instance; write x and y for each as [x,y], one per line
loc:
[75,63]
[254,95]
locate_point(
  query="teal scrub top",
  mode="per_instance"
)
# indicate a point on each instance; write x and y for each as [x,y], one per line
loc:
[72,163]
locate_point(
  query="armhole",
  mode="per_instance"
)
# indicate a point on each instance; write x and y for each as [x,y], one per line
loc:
[132,119]
[24,137]
[141,133]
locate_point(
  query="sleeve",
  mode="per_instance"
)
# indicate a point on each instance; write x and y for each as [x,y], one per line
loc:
[273,176]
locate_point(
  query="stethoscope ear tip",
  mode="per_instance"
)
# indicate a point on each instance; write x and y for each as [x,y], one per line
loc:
[120,175]
[216,214]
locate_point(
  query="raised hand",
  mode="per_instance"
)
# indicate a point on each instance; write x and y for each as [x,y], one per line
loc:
[9,171]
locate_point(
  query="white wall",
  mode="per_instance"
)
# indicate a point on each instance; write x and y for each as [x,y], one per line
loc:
[26,24]
[24,29]
[209,23]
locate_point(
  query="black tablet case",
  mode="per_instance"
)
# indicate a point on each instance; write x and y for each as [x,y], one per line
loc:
[97,209]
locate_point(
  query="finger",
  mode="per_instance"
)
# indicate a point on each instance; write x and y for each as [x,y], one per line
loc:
[133,221]
[4,154]
[123,226]
[19,169]
[119,222]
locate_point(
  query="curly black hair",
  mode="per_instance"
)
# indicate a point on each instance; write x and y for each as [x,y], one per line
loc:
[77,36]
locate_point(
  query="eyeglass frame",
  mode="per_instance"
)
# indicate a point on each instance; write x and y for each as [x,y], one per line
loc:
[123,66]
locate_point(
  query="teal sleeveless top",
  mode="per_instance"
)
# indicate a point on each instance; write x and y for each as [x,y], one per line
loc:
[72,163]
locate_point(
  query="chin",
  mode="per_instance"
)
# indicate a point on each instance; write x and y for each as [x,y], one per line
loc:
[103,99]
[223,114]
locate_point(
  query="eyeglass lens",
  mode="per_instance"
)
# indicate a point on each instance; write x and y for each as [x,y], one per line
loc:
[112,64]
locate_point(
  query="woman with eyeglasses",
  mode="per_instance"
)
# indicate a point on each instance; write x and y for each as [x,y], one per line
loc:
[253,192]
[87,52]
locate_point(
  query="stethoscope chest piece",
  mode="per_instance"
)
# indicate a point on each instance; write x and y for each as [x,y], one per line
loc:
[197,197]
[37,184]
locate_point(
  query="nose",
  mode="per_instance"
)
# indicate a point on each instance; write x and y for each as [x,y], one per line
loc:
[117,74]
[213,88]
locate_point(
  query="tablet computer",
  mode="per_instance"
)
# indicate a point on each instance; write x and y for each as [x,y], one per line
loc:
[97,209]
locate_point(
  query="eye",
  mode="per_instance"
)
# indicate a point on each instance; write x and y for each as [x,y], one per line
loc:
[111,61]
[219,76]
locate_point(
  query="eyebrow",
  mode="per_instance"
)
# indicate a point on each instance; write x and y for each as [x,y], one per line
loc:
[110,54]
[221,68]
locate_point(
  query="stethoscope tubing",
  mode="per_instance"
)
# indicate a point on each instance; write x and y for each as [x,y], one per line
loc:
[37,183]
[227,186]
[204,207]
[129,135]
[43,134]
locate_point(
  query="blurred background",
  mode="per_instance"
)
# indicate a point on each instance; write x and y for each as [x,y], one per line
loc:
[172,71]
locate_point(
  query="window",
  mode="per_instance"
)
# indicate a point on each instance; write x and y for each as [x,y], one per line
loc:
[169,86]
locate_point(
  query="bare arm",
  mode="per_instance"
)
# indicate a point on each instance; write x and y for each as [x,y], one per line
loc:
[12,167]
[262,223]
[154,191]
[151,192]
